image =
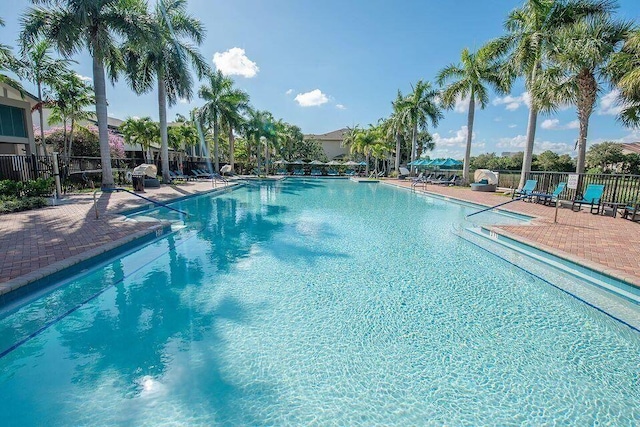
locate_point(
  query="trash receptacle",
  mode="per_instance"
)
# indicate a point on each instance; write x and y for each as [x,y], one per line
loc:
[138,183]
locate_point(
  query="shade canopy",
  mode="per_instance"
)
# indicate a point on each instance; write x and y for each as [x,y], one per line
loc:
[334,163]
[280,162]
[297,162]
[362,164]
[316,163]
[351,163]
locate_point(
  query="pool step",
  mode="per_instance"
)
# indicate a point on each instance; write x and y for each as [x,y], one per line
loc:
[618,299]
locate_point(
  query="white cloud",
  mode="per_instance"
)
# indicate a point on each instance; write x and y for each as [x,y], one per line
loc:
[512,103]
[183,101]
[497,119]
[512,126]
[554,124]
[340,107]
[312,98]
[234,62]
[84,78]
[610,104]
[459,138]
[289,92]
[462,105]
[519,142]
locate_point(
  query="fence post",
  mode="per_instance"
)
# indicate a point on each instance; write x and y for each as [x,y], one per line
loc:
[615,189]
[34,161]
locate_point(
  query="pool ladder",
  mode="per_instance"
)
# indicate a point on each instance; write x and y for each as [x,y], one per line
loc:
[117,189]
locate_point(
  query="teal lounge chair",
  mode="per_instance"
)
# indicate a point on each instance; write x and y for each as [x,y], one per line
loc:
[528,188]
[332,172]
[592,197]
[316,172]
[549,198]
[298,171]
[632,211]
[350,172]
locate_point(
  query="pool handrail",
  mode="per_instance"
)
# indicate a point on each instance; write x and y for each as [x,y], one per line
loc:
[117,189]
[497,206]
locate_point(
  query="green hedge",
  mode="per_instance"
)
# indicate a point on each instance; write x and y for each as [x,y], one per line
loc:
[31,188]
[8,205]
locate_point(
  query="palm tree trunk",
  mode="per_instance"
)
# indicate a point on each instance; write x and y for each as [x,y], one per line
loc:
[216,152]
[588,92]
[528,151]
[232,148]
[398,153]
[73,122]
[100,90]
[467,154]
[414,146]
[164,135]
[42,150]
[258,155]
[367,161]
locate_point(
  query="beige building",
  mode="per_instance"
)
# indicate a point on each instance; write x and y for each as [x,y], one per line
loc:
[631,148]
[332,143]
[16,127]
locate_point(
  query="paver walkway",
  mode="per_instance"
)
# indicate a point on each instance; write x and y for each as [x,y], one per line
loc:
[39,242]
[610,245]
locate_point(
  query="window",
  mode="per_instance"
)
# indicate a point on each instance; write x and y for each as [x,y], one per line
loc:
[12,122]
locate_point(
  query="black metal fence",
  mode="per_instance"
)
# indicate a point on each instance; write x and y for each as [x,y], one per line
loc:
[23,168]
[617,187]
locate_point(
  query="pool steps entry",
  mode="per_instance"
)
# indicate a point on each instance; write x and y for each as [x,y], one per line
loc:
[117,189]
[608,295]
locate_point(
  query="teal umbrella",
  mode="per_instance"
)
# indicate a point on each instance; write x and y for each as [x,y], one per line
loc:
[451,163]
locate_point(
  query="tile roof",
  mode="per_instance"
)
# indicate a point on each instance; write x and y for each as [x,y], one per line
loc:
[632,147]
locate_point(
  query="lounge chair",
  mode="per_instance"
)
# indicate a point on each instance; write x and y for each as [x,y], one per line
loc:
[528,188]
[403,173]
[332,172]
[549,198]
[450,181]
[282,172]
[174,177]
[178,173]
[632,211]
[592,197]
[433,178]
[298,171]
[316,172]
[350,172]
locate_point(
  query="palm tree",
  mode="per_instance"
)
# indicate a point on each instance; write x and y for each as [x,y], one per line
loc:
[470,79]
[349,136]
[42,69]
[72,96]
[530,29]
[579,56]
[364,142]
[144,132]
[624,71]
[70,26]
[223,103]
[164,55]
[8,62]
[397,127]
[418,108]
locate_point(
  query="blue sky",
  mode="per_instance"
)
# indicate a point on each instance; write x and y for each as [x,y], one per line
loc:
[352,57]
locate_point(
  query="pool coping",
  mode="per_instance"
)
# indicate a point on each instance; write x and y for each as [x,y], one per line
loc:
[45,276]
[596,267]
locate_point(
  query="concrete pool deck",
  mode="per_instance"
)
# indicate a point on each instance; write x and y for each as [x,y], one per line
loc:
[37,243]
[34,244]
[608,245]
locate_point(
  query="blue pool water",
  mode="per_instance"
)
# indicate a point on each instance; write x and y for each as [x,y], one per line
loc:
[313,302]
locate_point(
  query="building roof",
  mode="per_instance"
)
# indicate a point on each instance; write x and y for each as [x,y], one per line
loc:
[631,147]
[335,135]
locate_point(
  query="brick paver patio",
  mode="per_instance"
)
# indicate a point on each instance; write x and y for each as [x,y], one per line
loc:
[610,245]
[36,243]
[39,242]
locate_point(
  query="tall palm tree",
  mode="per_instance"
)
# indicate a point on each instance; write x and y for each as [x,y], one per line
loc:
[223,103]
[164,55]
[40,68]
[418,109]
[530,29]
[74,25]
[579,56]
[143,132]
[397,126]
[470,78]
[72,97]
[624,71]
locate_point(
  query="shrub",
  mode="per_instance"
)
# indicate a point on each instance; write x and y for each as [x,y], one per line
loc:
[9,205]
[38,187]
[10,188]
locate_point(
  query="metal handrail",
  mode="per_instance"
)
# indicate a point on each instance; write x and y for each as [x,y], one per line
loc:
[497,206]
[116,189]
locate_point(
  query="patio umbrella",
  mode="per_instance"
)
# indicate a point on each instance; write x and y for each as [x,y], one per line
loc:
[297,162]
[316,163]
[450,163]
[351,163]
[362,164]
[334,163]
[280,162]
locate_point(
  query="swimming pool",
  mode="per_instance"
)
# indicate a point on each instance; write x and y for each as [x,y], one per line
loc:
[315,302]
